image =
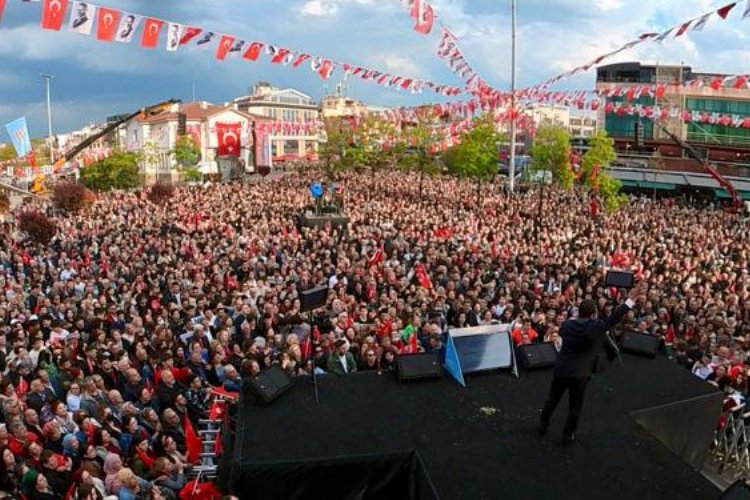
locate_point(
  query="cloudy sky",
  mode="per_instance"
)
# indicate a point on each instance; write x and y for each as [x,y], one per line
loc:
[94,79]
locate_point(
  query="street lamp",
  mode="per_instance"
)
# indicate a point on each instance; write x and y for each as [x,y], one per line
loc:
[47,79]
[512,158]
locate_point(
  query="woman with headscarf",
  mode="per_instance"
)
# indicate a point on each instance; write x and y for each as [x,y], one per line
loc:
[112,465]
[36,487]
[72,449]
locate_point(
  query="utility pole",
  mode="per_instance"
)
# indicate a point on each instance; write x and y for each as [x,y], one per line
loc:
[512,157]
[47,79]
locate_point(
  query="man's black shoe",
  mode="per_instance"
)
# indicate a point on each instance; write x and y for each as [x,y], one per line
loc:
[568,439]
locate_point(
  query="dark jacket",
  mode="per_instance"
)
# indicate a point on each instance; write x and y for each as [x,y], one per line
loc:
[335,366]
[583,340]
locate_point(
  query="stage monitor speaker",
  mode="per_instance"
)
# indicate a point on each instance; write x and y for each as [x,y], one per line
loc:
[619,279]
[418,366]
[738,491]
[640,343]
[268,385]
[313,298]
[532,356]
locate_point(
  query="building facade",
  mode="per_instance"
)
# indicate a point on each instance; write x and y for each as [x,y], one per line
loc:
[284,107]
[719,142]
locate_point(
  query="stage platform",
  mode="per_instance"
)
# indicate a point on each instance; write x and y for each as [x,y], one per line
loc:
[480,442]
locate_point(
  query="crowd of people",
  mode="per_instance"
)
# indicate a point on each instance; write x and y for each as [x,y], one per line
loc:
[113,333]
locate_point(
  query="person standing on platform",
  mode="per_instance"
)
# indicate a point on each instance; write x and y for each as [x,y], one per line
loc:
[582,342]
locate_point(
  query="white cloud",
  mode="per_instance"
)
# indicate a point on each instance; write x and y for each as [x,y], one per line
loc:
[320,8]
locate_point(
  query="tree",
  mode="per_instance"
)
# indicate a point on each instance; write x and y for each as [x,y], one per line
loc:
[551,152]
[476,155]
[185,152]
[70,196]
[595,171]
[7,152]
[420,137]
[37,226]
[119,171]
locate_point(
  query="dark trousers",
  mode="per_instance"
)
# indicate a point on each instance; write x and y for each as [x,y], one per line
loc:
[576,387]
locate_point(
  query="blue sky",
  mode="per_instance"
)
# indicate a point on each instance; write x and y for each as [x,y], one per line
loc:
[95,79]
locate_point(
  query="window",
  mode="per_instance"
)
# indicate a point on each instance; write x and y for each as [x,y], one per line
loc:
[291,147]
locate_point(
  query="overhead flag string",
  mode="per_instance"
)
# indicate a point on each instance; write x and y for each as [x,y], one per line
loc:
[113,24]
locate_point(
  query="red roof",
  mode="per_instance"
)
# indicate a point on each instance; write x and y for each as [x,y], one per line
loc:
[195,111]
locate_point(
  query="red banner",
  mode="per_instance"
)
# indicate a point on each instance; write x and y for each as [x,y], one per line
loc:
[107,23]
[228,139]
[53,14]
[151,29]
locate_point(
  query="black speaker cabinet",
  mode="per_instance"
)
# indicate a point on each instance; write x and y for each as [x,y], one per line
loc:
[619,279]
[738,491]
[640,343]
[418,366]
[267,385]
[532,356]
[313,298]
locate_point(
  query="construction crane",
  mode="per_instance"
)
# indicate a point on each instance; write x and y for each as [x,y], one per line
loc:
[38,185]
[724,183]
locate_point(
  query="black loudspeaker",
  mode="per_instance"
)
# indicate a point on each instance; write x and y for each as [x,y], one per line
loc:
[619,279]
[738,491]
[418,366]
[640,343]
[313,298]
[181,124]
[532,356]
[267,385]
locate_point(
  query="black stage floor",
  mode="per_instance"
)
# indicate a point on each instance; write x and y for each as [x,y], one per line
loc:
[471,452]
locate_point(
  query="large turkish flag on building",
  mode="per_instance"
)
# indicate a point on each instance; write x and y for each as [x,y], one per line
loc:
[228,137]
[53,14]
[109,20]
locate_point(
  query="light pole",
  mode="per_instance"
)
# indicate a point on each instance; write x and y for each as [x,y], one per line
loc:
[512,157]
[48,79]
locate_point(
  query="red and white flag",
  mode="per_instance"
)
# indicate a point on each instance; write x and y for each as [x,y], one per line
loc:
[228,139]
[151,29]
[681,31]
[323,67]
[425,17]
[108,22]
[300,59]
[225,45]
[253,52]
[279,55]
[189,33]
[82,18]
[128,25]
[174,35]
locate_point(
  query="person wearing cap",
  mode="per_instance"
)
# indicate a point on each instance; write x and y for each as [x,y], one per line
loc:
[341,361]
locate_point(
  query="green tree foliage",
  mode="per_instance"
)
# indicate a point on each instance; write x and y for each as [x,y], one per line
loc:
[475,156]
[185,152]
[7,152]
[595,171]
[551,152]
[119,171]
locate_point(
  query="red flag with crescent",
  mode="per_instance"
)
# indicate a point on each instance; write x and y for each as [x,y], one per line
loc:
[107,23]
[53,14]
[228,139]
[151,30]
[225,45]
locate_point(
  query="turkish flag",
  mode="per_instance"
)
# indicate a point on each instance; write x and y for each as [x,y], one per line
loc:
[740,82]
[151,29]
[190,33]
[253,52]
[225,45]
[192,441]
[228,136]
[107,23]
[300,59]
[279,55]
[2,8]
[425,18]
[53,14]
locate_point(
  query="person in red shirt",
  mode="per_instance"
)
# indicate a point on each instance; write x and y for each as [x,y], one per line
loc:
[525,334]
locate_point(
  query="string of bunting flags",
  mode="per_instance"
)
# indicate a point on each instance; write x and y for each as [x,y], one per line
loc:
[676,31]
[113,25]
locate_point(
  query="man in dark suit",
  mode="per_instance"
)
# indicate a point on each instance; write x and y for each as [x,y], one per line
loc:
[583,339]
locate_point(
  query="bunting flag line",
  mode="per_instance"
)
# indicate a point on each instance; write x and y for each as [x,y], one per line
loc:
[83,17]
[698,24]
